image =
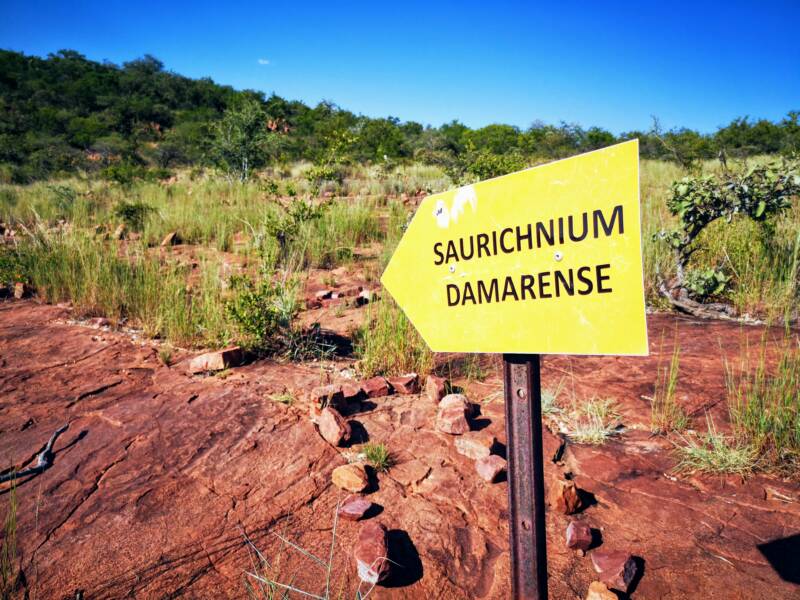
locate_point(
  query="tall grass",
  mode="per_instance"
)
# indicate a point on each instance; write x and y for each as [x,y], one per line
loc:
[666,414]
[389,345]
[9,570]
[126,285]
[764,405]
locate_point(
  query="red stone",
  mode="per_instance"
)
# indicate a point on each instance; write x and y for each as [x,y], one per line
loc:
[352,392]
[452,420]
[354,507]
[404,384]
[375,387]
[327,395]
[490,467]
[579,536]
[372,553]
[217,361]
[616,569]
[564,497]
[435,388]
[332,426]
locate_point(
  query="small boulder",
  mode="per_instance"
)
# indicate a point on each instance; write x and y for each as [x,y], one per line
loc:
[616,569]
[171,239]
[475,444]
[354,507]
[564,497]
[322,294]
[327,395]
[372,553]
[332,426]
[599,591]
[490,468]
[459,400]
[435,388]
[452,420]
[579,536]
[352,392]
[217,361]
[404,384]
[375,387]
[20,290]
[351,478]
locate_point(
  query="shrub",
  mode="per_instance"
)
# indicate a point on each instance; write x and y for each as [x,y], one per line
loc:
[133,214]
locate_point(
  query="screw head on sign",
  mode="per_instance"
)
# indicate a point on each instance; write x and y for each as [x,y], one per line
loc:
[558,256]
[452,268]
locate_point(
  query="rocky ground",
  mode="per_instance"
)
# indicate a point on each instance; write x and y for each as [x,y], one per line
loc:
[161,473]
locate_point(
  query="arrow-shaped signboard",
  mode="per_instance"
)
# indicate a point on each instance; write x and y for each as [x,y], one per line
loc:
[546,260]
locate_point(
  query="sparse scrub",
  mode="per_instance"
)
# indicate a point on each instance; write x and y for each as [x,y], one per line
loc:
[666,413]
[389,344]
[129,287]
[764,404]
[9,569]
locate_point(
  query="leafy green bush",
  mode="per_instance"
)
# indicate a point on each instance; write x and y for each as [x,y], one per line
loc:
[133,214]
[761,193]
[705,283]
[486,164]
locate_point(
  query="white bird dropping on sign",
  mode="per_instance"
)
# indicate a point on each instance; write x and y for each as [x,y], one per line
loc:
[463,196]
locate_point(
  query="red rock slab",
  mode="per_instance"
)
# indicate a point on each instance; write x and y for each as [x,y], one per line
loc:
[375,387]
[404,384]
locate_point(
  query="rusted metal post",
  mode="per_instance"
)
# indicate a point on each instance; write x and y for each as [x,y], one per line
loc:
[523,394]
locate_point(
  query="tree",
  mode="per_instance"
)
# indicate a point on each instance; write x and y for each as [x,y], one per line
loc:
[241,140]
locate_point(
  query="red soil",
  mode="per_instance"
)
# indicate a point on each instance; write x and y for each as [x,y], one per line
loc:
[160,472]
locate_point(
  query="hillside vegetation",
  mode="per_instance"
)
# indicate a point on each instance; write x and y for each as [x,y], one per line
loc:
[66,114]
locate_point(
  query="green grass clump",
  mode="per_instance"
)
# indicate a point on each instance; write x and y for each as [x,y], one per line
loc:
[377,455]
[713,452]
[592,422]
[389,345]
[764,406]
[666,414]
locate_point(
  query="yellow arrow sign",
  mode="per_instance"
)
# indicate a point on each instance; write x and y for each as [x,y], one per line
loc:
[543,261]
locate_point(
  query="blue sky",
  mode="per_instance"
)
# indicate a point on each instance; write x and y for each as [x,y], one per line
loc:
[696,64]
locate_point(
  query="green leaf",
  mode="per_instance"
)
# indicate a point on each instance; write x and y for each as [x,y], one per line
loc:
[762,206]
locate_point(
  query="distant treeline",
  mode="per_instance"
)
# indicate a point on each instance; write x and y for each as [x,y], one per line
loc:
[67,113]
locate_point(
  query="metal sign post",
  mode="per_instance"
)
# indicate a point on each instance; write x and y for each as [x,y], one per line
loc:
[523,396]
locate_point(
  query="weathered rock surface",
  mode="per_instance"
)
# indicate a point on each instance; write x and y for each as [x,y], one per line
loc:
[476,444]
[20,290]
[616,569]
[564,497]
[159,470]
[375,387]
[452,420]
[435,388]
[327,395]
[354,507]
[372,553]
[217,361]
[579,536]
[404,384]
[333,428]
[490,468]
[351,478]
[599,591]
